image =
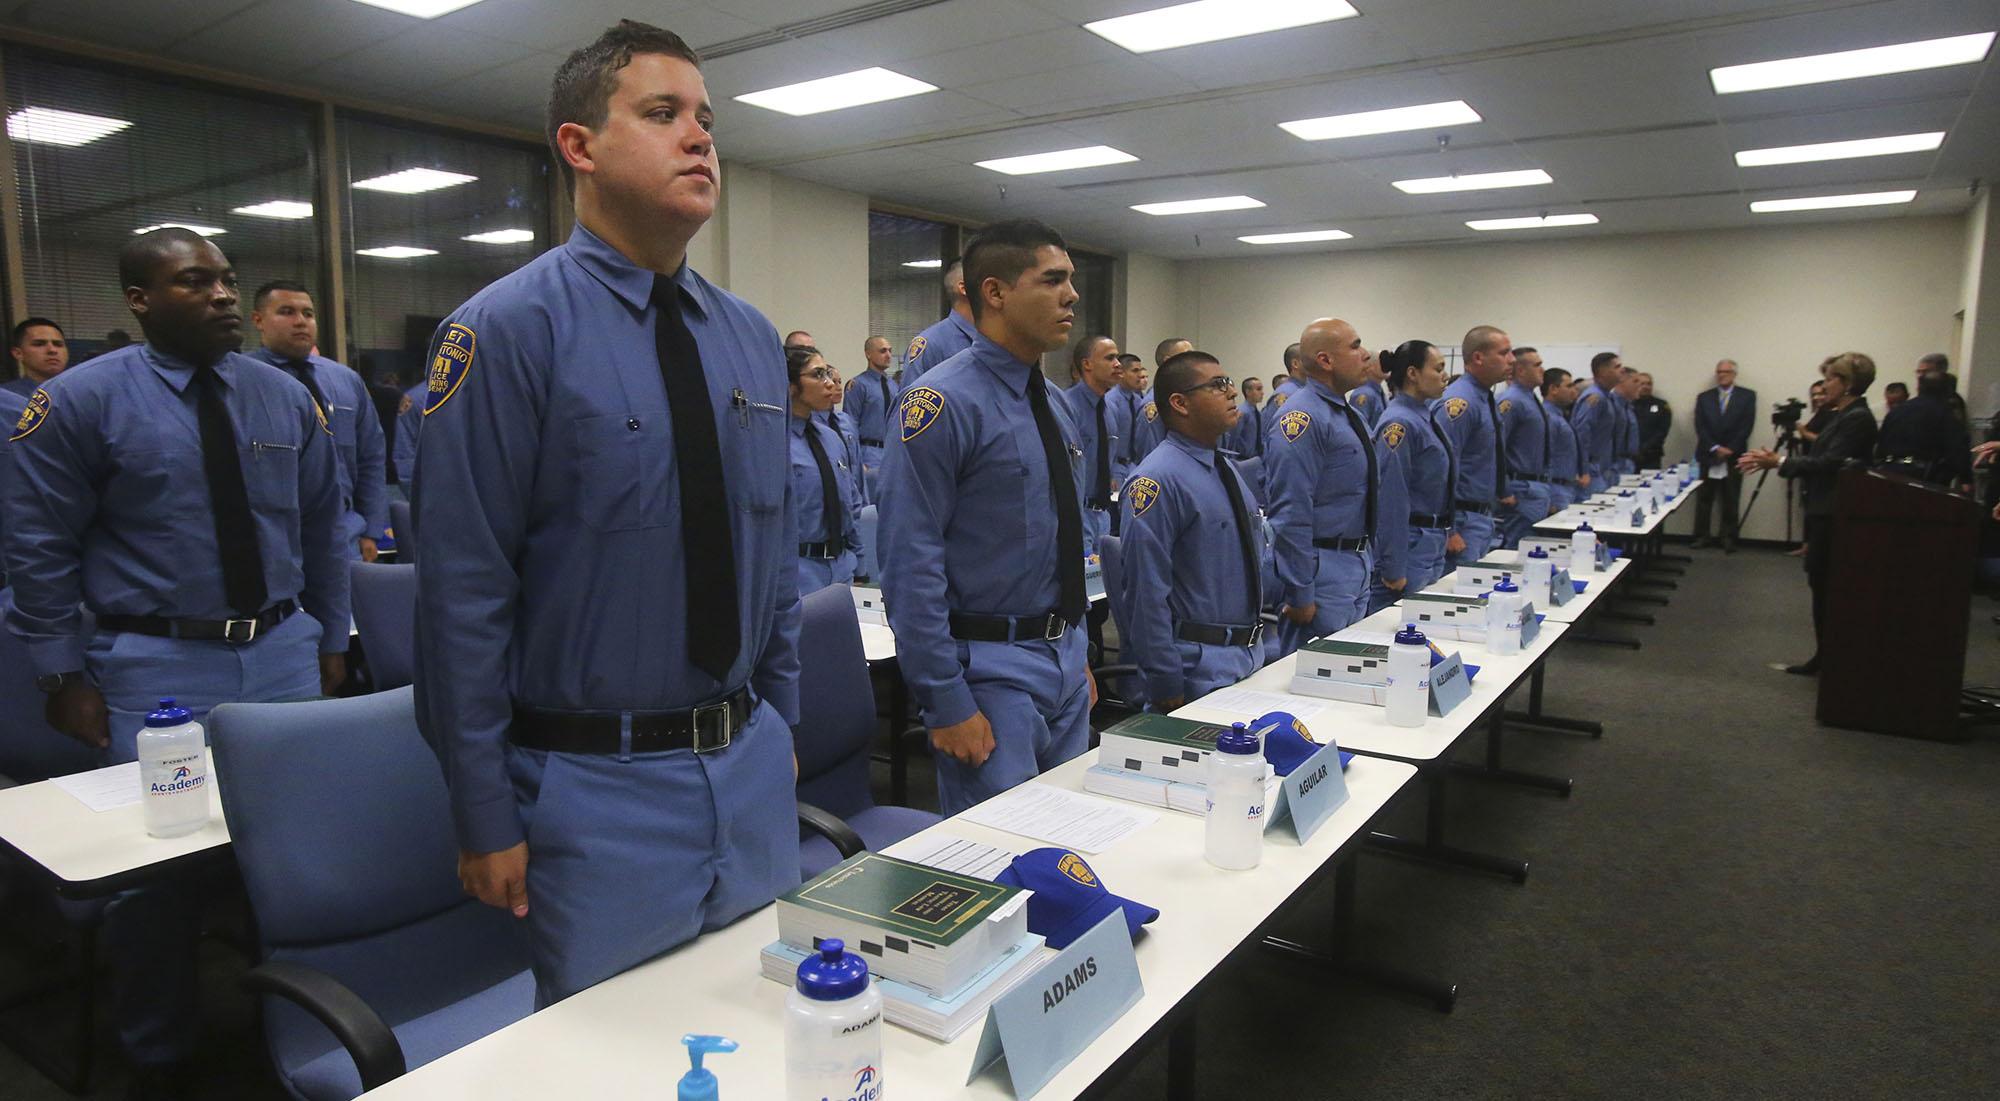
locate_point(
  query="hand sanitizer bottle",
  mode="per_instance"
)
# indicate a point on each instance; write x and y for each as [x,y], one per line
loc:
[173,772]
[1234,837]
[1409,678]
[1583,550]
[699,1083]
[1503,617]
[833,1029]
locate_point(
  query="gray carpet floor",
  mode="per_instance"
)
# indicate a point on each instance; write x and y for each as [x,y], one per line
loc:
[1735,902]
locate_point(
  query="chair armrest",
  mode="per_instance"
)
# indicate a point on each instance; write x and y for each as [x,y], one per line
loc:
[833,828]
[1113,672]
[1270,618]
[376,1053]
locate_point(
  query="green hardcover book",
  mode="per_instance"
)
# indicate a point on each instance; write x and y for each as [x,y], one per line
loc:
[1372,651]
[1187,733]
[902,898]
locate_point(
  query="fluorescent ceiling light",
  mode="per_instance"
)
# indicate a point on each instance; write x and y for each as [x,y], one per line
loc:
[1546,221]
[277,208]
[923,263]
[1297,238]
[205,231]
[48,126]
[833,93]
[501,236]
[1841,150]
[1199,206]
[1391,121]
[1062,160]
[1477,181]
[422,9]
[1906,57]
[1212,20]
[396,252]
[1831,202]
[414,181]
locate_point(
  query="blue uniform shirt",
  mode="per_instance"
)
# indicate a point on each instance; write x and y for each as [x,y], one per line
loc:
[1083,402]
[1524,432]
[1147,427]
[1594,417]
[552,573]
[1369,400]
[1415,461]
[12,405]
[1468,423]
[1131,406]
[1628,431]
[1316,482]
[808,507]
[948,336]
[1281,395]
[358,443]
[1247,438]
[107,507]
[966,523]
[409,426]
[1562,449]
[871,403]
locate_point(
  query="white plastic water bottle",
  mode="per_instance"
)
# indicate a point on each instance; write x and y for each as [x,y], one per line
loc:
[173,772]
[1503,617]
[1541,568]
[1583,550]
[1234,834]
[1409,677]
[833,1029]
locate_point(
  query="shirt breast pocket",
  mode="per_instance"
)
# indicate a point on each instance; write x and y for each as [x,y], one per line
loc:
[271,475]
[626,479]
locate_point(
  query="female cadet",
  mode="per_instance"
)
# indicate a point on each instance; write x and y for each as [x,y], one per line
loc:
[825,499]
[1418,471]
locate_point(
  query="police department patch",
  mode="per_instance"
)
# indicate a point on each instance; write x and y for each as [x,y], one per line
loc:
[1073,866]
[1591,400]
[1294,424]
[1281,398]
[921,406]
[916,349]
[1392,433]
[1456,407]
[1143,492]
[449,366]
[33,416]
[1507,405]
[1152,411]
[1359,399]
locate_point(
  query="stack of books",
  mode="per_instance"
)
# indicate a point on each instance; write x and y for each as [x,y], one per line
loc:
[869,607]
[1447,615]
[1161,761]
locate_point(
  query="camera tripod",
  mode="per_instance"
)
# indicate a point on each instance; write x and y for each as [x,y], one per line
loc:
[1787,444]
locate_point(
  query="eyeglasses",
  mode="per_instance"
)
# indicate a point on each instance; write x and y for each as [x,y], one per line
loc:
[820,373]
[1221,384]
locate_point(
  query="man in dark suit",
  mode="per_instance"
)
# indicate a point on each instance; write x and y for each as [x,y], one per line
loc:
[1723,419]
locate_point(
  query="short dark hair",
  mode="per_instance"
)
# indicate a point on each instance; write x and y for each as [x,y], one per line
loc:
[1081,352]
[1519,352]
[1899,388]
[1277,380]
[796,360]
[1160,356]
[21,330]
[1938,360]
[1291,357]
[136,259]
[1003,251]
[1479,338]
[1553,377]
[1602,360]
[265,291]
[581,89]
[793,333]
[1404,358]
[1128,357]
[1177,374]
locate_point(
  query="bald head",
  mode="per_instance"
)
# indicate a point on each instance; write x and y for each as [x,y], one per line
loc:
[1488,353]
[148,252]
[1169,348]
[1332,352]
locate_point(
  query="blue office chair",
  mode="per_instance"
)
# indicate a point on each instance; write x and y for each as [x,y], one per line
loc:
[865,523]
[406,532]
[384,597]
[1252,470]
[836,725]
[374,959]
[1120,689]
[31,749]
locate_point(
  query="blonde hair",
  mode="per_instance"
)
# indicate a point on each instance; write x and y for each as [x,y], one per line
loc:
[1853,368]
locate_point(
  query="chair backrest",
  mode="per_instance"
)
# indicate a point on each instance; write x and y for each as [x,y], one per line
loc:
[405,529]
[865,525]
[836,705]
[384,597]
[1252,470]
[31,749]
[1111,559]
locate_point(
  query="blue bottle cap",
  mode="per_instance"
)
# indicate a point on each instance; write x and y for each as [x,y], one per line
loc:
[1505,584]
[699,1083]
[834,974]
[1410,636]
[1237,741]
[1538,552]
[1585,526]
[169,714]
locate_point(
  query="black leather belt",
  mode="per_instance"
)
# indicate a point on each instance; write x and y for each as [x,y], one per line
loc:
[1427,520]
[1342,544]
[1483,508]
[968,627]
[824,552]
[1098,506]
[1530,478]
[1212,634]
[702,729]
[866,442]
[238,631]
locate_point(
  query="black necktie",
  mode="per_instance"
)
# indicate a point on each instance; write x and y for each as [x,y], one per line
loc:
[1368,450]
[829,491]
[1451,464]
[882,379]
[235,526]
[1544,411]
[1062,493]
[1499,452]
[1100,478]
[303,371]
[708,551]
[1252,572]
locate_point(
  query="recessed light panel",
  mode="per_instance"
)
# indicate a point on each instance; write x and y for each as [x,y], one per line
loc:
[1831,202]
[205,231]
[1199,206]
[1394,120]
[501,236]
[1546,221]
[1477,181]
[277,208]
[1213,20]
[422,9]
[1300,237]
[923,263]
[414,181]
[396,252]
[834,93]
[1840,150]
[48,126]
[1062,160]
[1905,57]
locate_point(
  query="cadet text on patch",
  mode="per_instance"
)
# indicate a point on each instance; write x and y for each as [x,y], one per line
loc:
[33,416]
[1392,433]
[449,366]
[1143,492]
[916,349]
[1456,407]
[1294,424]
[921,407]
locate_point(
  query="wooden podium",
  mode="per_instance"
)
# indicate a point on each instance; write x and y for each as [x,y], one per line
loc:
[1897,610]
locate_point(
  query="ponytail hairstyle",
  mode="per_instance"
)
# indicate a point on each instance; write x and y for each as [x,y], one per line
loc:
[1407,357]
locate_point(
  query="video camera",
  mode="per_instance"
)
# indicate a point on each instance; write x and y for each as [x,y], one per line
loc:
[1785,415]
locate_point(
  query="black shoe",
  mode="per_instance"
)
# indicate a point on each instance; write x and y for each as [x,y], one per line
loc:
[1809,669]
[1699,542]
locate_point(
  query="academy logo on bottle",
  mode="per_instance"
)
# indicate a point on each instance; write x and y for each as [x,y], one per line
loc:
[867,1086]
[182,779]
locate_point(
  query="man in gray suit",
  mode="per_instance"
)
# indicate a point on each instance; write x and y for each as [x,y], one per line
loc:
[1723,419]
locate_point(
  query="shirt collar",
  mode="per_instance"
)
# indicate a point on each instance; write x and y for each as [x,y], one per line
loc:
[626,279]
[971,332]
[1332,396]
[1010,371]
[177,372]
[266,355]
[1203,455]
[1409,401]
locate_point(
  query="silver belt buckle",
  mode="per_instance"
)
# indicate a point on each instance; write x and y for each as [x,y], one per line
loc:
[1256,635]
[229,630]
[1053,630]
[712,727]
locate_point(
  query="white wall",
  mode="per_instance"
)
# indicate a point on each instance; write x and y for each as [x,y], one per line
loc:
[1777,300]
[1979,296]
[795,250]
[1146,313]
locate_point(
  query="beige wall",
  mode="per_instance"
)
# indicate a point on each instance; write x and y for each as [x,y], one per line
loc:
[1147,315]
[1979,295]
[795,250]
[1777,300]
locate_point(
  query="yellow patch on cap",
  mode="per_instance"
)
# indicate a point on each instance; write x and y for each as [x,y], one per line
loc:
[1294,424]
[921,407]
[1073,866]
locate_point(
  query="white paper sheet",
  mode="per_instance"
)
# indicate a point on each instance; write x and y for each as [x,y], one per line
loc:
[1081,822]
[1248,703]
[1716,472]
[103,789]
[954,854]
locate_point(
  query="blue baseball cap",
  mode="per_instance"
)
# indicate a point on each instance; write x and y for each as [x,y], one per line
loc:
[1069,900]
[1287,742]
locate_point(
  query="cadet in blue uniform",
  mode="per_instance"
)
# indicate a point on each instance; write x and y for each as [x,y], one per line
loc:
[40,351]
[1319,474]
[1101,429]
[871,404]
[1418,471]
[1595,418]
[1627,436]
[1558,395]
[1193,545]
[1288,385]
[608,609]
[837,419]
[1372,396]
[982,532]
[1524,438]
[284,316]
[12,405]
[947,337]
[1471,419]
[1134,391]
[1147,430]
[1247,438]
[824,499]
[186,496]
[409,427]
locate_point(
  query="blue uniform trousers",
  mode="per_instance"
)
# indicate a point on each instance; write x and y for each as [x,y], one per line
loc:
[1480,534]
[1096,525]
[1530,507]
[629,857]
[1561,496]
[817,573]
[1208,668]
[1425,562]
[1036,698]
[1341,592]
[871,466]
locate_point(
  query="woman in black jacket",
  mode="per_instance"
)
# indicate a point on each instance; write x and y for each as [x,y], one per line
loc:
[1848,437]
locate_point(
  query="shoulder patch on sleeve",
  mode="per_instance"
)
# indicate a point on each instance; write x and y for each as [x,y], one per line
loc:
[1392,434]
[449,366]
[1143,492]
[1294,424]
[1359,399]
[1152,412]
[921,407]
[1280,399]
[1591,399]
[33,416]
[916,349]
[1456,407]
[1507,406]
